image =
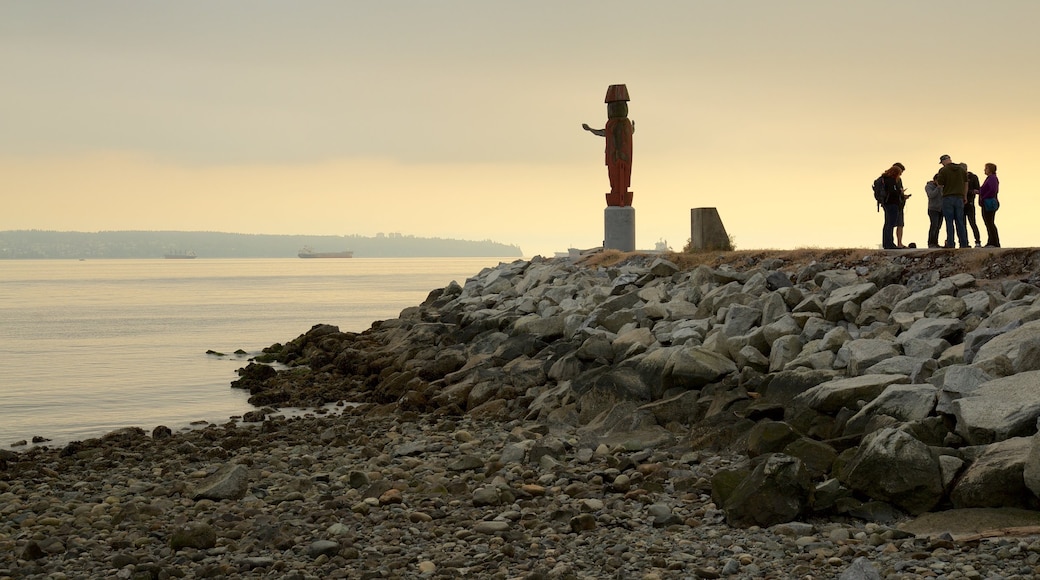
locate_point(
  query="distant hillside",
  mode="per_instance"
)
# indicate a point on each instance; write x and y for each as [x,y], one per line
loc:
[38,244]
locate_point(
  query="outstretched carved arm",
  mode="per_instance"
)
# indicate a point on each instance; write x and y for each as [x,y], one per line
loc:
[600,132]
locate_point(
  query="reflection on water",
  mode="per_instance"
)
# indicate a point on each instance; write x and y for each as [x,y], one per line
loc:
[93,346]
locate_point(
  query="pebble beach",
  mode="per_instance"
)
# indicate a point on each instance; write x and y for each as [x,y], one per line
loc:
[358,495]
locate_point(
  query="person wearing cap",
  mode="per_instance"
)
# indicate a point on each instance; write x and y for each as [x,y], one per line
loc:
[954,180]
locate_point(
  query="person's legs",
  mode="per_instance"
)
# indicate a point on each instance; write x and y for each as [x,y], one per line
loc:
[962,228]
[935,219]
[950,216]
[890,223]
[969,216]
[899,226]
[996,233]
[987,218]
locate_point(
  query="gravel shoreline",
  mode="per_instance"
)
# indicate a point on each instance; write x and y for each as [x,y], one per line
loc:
[368,494]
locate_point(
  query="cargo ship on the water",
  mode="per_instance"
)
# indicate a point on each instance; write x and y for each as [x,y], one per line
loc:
[189,255]
[308,252]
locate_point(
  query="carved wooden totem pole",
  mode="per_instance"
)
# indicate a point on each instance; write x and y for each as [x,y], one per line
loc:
[618,133]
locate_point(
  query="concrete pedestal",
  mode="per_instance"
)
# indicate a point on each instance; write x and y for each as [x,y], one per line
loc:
[707,231]
[619,228]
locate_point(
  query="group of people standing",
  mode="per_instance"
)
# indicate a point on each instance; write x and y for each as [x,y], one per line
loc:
[951,198]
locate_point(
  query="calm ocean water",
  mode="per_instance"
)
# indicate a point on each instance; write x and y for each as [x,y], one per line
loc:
[87,347]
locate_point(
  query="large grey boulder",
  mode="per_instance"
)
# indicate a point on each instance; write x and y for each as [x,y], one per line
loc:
[919,369]
[1019,311]
[784,350]
[890,465]
[782,387]
[602,388]
[918,301]
[777,491]
[945,307]
[926,328]
[544,328]
[955,382]
[855,294]
[740,320]
[879,305]
[995,478]
[925,347]
[975,339]
[692,368]
[901,402]
[1020,346]
[769,437]
[856,356]
[632,342]
[662,268]
[1031,473]
[833,395]
[998,410]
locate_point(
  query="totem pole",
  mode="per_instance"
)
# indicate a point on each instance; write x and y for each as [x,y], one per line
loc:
[618,152]
[619,217]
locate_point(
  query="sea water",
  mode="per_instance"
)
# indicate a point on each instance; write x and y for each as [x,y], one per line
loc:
[87,347]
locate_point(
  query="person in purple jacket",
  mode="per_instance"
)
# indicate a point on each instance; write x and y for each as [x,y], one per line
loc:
[989,190]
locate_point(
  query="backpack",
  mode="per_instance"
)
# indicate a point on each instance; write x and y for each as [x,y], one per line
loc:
[879,191]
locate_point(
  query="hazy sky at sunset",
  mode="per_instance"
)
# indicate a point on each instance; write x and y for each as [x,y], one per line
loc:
[462,118]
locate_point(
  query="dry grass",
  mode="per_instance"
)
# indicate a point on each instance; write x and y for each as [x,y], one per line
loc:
[989,264]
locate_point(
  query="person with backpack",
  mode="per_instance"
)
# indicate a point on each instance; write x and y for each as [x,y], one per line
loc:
[888,191]
[954,180]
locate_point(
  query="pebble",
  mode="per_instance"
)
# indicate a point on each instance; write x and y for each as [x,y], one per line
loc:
[354,506]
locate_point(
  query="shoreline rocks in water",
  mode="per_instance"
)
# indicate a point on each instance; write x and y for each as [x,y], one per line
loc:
[549,419]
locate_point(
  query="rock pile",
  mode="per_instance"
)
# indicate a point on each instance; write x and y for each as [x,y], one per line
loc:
[856,389]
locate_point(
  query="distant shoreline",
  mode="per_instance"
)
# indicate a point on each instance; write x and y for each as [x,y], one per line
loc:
[40,244]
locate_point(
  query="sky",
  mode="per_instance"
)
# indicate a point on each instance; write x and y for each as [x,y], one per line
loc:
[462,118]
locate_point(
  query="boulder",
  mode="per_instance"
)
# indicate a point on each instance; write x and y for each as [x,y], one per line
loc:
[891,466]
[1031,472]
[1000,409]
[926,328]
[856,294]
[858,355]
[995,478]
[899,401]
[600,389]
[1008,344]
[777,491]
[692,368]
[769,437]
[833,395]
[229,482]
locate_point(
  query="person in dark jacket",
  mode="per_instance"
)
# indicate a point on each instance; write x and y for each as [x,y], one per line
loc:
[893,205]
[954,180]
[969,204]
